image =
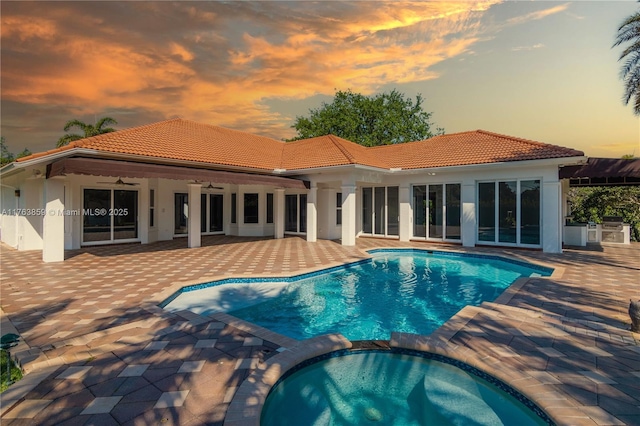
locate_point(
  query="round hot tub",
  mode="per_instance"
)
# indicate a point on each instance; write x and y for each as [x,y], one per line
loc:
[399,388]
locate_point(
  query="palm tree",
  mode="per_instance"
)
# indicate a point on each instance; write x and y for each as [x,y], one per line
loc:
[88,129]
[629,31]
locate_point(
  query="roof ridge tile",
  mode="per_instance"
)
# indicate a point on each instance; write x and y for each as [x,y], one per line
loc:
[342,149]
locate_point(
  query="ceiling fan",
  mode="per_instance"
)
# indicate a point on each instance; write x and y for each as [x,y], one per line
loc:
[208,186]
[120,182]
[212,187]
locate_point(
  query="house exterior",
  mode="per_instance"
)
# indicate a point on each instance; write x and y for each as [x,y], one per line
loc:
[179,178]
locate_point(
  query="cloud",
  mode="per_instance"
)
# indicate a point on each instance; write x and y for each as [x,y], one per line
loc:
[539,14]
[535,46]
[219,62]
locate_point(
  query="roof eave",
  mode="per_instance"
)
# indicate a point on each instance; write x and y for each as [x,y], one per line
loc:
[558,161]
[45,159]
[330,169]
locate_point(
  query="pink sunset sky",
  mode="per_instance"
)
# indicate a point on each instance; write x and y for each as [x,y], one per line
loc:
[539,70]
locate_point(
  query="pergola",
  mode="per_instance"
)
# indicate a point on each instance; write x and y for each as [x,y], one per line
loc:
[603,172]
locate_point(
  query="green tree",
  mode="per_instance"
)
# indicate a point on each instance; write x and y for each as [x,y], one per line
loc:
[591,203]
[88,130]
[382,119]
[6,157]
[629,32]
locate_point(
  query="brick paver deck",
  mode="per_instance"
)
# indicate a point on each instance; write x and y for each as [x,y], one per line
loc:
[98,351]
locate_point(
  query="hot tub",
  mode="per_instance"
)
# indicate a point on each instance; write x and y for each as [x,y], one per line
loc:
[399,388]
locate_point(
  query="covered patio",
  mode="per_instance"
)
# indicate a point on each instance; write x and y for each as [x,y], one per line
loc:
[99,351]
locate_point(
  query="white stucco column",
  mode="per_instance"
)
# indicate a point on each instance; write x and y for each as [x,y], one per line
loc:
[53,221]
[348,215]
[143,212]
[193,236]
[278,213]
[406,213]
[566,211]
[552,217]
[312,214]
[468,225]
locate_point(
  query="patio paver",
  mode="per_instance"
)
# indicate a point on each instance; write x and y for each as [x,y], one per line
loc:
[564,339]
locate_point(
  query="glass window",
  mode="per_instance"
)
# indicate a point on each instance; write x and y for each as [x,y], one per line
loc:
[420,211]
[109,215]
[453,210]
[367,206]
[487,211]
[530,212]
[96,225]
[379,214]
[517,215]
[125,215]
[291,213]
[250,208]
[269,208]
[393,211]
[507,193]
[203,212]
[181,213]
[234,208]
[152,208]
[303,212]
[435,211]
[339,208]
[216,212]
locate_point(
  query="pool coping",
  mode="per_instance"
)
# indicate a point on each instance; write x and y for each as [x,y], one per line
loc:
[245,408]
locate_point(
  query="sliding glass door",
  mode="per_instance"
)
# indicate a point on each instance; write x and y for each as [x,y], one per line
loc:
[295,213]
[436,203]
[216,213]
[437,211]
[380,211]
[509,212]
[212,211]
[109,215]
[453,208]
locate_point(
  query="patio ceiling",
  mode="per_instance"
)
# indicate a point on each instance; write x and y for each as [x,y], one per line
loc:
[128,169]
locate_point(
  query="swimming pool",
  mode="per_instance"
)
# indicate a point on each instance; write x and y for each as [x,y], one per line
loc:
[405,388]
[411,291]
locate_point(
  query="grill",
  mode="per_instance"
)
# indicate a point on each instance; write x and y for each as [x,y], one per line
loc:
[612,223]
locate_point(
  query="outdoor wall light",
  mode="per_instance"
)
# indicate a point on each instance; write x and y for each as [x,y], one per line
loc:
[17,192]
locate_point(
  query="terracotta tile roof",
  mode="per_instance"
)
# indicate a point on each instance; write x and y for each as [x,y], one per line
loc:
[185,140]
[474,147]
[326,151]
[180,139]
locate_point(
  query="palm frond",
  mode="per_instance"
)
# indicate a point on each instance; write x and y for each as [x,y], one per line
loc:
[631,20]
[66,139]
[104,121]
[75,123]
[634,48]
[632,62]
[628,30]
[631,85]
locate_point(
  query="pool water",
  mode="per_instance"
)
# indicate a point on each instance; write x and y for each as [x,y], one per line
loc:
[401,290]
[369,388]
